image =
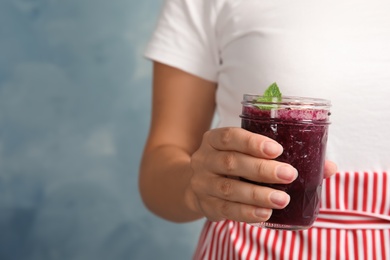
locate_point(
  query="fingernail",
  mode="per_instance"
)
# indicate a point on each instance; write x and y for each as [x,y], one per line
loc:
[263,213]
[272,148]
[286,173]
[280,198]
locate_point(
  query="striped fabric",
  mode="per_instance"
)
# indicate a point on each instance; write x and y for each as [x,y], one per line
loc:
[354,223]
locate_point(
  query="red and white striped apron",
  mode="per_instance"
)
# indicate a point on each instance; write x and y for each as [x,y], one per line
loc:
[354,223]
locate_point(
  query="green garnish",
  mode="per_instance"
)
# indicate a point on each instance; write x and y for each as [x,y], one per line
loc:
[271,94]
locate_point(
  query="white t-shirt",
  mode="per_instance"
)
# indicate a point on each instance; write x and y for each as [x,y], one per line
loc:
[337,50]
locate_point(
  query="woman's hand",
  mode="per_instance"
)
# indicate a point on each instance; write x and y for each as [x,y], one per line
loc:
[330,168]
[227,154]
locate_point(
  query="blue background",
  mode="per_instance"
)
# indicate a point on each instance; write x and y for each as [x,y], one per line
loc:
[74,113]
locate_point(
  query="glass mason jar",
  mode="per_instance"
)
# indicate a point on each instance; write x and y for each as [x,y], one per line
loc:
[300,125]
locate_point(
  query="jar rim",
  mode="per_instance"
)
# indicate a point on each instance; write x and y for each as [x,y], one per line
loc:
[288,101]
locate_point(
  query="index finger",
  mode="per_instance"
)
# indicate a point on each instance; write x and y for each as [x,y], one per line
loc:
[241,140]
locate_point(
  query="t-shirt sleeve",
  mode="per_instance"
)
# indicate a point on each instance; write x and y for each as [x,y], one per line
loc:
[184,38]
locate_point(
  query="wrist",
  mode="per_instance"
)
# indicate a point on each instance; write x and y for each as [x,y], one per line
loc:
[192,203]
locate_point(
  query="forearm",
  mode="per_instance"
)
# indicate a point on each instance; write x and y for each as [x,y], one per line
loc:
[165,175]
[175,133]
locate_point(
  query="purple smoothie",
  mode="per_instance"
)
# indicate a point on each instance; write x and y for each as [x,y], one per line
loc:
[303,132]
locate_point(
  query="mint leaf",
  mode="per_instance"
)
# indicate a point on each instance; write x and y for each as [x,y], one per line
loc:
[271,94]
